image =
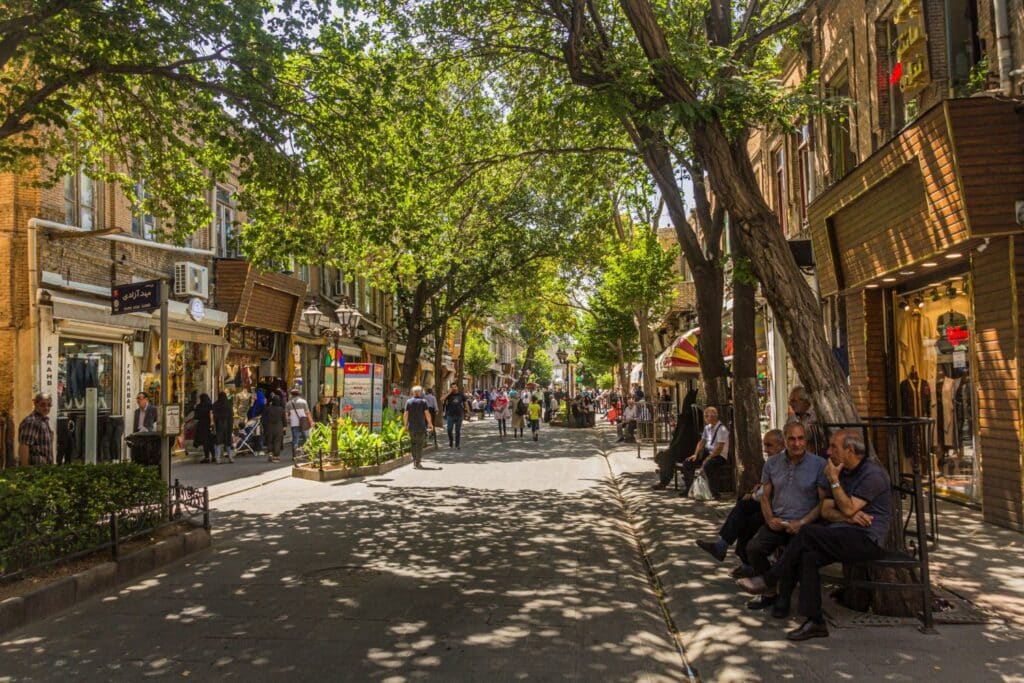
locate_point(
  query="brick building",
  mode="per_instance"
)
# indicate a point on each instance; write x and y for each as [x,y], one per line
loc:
[908,193]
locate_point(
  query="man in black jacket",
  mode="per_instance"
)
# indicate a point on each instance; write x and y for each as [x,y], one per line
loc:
[684,440]
[145,416]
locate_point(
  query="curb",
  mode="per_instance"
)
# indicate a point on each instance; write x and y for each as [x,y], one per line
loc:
[61,595]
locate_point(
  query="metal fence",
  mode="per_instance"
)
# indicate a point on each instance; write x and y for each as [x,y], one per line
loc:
[107,535]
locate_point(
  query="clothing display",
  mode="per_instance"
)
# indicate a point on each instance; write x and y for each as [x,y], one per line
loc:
[950,413]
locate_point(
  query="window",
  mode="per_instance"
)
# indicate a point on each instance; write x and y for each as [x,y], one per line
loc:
[143,224]
[892,109]
[80,200]
[302,272]
[806,169]
[840,144]
[224,225]
[779,185]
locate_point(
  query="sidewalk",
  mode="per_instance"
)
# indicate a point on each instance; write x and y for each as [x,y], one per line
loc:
[726,642]
[226,479]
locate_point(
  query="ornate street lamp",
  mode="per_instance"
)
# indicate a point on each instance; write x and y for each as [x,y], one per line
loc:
[346,328]
[563,357]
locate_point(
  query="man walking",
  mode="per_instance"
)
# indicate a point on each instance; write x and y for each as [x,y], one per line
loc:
[418,422]
[454,412]
[859,510]
[35,438]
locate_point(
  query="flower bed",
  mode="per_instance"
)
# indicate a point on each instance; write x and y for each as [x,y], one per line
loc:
[360,451]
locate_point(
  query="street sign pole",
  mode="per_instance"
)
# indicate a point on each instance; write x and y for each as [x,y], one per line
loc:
[165,391]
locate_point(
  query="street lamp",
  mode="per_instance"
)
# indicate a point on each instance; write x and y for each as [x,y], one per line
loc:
[347,327]
[574,359]
[563,357]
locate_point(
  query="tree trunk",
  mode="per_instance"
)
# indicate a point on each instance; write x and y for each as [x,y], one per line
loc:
[709,315]
[461,364]
[414,319]
[524,372]
[621,370]
[794,304]
[746,415]
[647,357]
[440,341]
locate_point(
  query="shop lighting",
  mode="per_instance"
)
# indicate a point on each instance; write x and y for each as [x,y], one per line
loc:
[963,288]
[888,279]
[929,264]
[919,302]
[871,286]
[904,304]
[950,290]
[906,272]
[935,294]
[953,255]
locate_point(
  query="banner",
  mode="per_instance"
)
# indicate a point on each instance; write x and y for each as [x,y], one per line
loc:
[364,393]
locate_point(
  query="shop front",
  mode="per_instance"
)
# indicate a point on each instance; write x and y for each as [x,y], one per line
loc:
[921,260]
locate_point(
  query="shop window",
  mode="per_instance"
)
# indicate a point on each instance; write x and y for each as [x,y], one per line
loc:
[779,185]
[934,379]
[840,140]
[968,66]
[83,365]
[80,200]
[225,228]
[143,223]
[805,160]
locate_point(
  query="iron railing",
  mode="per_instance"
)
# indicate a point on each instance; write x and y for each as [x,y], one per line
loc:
[108,534]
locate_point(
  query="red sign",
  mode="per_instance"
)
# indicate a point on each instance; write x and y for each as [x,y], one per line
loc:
[957,335]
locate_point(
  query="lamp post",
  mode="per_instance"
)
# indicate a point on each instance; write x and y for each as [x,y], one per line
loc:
[346,328]
[563,357]
[574,360]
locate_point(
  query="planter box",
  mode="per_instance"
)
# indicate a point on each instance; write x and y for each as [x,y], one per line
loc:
[314,474]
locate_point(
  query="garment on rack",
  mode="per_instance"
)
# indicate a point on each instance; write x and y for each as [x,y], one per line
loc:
[915,401]
[910,333]
[946,412]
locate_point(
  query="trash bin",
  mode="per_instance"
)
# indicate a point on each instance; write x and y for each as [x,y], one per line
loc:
[145,448]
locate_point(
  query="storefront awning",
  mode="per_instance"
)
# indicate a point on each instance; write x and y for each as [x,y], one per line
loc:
[85,310]
[374,350]
[268,301]
[681,356]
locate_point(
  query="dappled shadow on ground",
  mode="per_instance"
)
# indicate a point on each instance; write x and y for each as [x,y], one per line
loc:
[409,583]
[482,444]
[726,642]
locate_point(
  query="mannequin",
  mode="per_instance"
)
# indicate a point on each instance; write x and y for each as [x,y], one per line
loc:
[947,425]
[915,401]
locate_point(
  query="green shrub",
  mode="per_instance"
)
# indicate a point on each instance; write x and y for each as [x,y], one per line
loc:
[357,445]
[39,501]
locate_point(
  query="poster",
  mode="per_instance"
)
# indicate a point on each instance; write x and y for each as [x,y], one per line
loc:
[334,366]
[364,393]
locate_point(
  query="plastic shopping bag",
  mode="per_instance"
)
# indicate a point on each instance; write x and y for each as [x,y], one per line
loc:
[700,490]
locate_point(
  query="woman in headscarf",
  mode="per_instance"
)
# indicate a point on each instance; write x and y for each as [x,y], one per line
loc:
[518,417]
[256,413]
[502,413]
[203,413]
[273,427]
[223,417]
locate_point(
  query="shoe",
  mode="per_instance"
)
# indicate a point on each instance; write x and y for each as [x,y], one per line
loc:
[808,630]
[762,602]
[755,585]
[216,462]
[659,487]
[780,610]
[742,571]
[417,466]
[204,461]
[275,460]
[711,548]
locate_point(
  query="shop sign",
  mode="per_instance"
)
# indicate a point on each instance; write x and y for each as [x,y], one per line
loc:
[172,420]
[364,393]
[911,48]
[196,309]
[250,338]
[137,297]
[957,335]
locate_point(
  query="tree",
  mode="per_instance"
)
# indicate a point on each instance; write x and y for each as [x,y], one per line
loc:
[542,370]
[639,278]
[169,92]
[478,355]
[674,75]
[608,337]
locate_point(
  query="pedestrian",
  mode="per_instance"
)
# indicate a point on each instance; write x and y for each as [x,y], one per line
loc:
[273,419]
[35,437]
[535,415]
[223,419]
[454,412]
[418,422]
[145,417]
[256,413]
[298,420]
[519,407]
[204,437]
[432,407]
[502,413]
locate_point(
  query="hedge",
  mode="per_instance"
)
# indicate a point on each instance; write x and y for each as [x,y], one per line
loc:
[39,501]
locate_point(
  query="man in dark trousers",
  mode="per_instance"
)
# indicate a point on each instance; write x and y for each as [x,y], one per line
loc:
[418,422]
[454,411]
[684,441]
[859,512]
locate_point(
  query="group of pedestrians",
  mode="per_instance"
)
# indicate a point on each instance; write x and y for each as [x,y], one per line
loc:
[214,424]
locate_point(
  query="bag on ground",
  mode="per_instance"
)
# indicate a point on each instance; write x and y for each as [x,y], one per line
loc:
[700,490]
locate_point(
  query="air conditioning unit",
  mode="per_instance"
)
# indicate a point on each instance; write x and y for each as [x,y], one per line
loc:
[191,279]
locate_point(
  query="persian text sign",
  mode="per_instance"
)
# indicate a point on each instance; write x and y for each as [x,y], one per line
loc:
[135,297]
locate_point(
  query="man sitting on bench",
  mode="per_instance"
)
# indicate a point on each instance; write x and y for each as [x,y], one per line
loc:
[859,510]
[711,452]
[626,424]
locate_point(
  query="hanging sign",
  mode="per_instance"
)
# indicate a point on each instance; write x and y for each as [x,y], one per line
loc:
[137,297]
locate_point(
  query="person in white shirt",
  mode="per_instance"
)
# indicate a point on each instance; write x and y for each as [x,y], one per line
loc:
[299,419]
[711,454]
[625,426]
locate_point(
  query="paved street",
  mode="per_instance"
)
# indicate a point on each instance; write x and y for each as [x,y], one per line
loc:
[504,561]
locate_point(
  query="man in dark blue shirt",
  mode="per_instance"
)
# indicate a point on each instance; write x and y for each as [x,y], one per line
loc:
[418,421]
[860,511]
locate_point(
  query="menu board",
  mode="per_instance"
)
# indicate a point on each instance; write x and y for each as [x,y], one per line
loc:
[364,393]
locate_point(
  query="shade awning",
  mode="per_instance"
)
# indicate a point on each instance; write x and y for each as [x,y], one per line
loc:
[681,355]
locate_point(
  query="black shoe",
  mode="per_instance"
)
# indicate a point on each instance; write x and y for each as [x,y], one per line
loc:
[659,487]
[808,630]
[744,571]
[762,602]
[711,548]
[204,460]
[780,610]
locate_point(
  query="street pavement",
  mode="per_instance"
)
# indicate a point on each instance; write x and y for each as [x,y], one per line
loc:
[501,561]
